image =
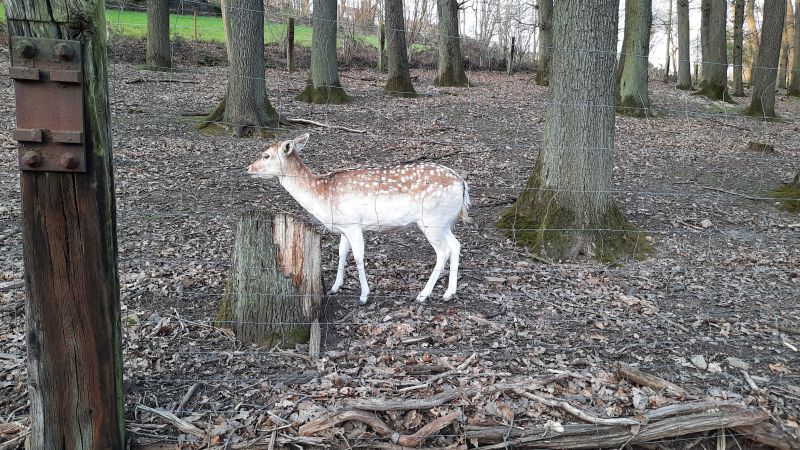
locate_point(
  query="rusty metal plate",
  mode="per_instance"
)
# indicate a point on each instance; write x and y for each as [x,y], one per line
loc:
[48,84]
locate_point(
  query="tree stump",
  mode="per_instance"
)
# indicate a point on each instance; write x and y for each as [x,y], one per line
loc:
[273,294]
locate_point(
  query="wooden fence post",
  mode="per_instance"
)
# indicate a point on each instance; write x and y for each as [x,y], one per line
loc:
[69,224]
[290,44]
[382,48]
[195,24]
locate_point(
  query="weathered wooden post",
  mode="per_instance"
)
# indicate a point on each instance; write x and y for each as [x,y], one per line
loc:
[510,60]
[58,62]
[274,291]
[382,48]
[290,44]
[195,24]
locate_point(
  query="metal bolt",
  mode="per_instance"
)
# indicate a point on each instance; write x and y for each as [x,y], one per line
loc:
[64,52]
[27,50]
[69,161]
[31,159]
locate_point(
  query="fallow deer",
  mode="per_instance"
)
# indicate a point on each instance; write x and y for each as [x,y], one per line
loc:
[347,202]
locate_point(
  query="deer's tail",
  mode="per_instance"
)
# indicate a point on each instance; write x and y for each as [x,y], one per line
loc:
[464,213]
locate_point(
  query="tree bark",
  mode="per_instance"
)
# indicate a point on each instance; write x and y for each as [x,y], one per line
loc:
[684,62]
[765,73]
[545,11]
[451,63]
[245,110]
[274,288]
[159,56]
[752,39]
[632,76]
[72,316]
[786,45]
[714,84]
[794,85]
[567,208]
[669,42]
[738,42]
[323,85]
[399,81]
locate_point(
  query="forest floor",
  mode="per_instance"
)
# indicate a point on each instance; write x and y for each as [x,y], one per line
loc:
[714,311]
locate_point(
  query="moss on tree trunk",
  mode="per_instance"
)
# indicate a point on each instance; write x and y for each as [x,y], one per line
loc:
[323,82]
[714,84]
[789,195]
[450,71]
[159,56]
[399,81]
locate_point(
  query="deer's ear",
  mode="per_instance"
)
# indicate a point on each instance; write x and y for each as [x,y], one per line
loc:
[300,142]
[287,147]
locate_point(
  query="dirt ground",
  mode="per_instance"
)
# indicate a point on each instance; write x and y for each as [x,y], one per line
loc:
[723,285]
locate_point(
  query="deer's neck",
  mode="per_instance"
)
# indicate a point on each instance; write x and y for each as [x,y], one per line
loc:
[305,187]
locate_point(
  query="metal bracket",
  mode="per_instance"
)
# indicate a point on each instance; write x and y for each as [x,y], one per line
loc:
[48,75]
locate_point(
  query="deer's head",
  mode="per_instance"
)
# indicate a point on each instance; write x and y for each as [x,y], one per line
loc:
[273,161]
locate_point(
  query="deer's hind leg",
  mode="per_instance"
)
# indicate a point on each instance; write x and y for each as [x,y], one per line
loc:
[436,237]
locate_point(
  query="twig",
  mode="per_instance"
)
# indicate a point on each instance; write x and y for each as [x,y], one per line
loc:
[325,125]
[710,188]
[13,443]
[419,437]
[305,358]
[163,80]
[458,370]
[182,425]
[638,377]
[189,394]
[583,415]
[749,381]
[788,330]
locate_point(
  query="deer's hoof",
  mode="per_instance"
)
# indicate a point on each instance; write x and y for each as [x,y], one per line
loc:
[421,298]
[448,296]
[362,301]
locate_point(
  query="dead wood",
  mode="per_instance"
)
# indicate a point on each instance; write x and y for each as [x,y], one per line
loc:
[419,437]
[182,425]
[382,404]
[636,376]
[325,125]
[768,434]
[583,415]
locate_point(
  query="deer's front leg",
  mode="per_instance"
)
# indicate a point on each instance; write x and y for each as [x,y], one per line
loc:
[344,249]
[356,238]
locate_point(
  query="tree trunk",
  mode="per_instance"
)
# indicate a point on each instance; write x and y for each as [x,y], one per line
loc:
[323,84]
[714,84]
[159,56]
[451,63]
[794,85]
[786,45]
[545,42]
[72,309]
[399,81]
[705,20]
[566,208]
[764,75]
[752,39]
[669,42]
[245,110]
[738,41]
[684,62]
[274,288]
[632,76]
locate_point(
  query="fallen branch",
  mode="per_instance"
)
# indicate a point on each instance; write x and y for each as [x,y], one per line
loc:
[15,442]
[435,426]
[636,376]
[325,125]
[182,425]
[162,80]
[768,434]
[737,194]
[580,414]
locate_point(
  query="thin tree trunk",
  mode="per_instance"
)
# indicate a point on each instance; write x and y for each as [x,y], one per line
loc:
[684,62]
[738,41]
[399,81]
[752,39]
[669,42]
[570,186]
[705,20]
[794,85]
[786,45]
[323,85]
[764,75]
[451,63]
[245,110]
[545,42]
[158,51]
[714,84]
[632,78]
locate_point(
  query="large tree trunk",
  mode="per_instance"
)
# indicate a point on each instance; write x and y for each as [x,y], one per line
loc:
[567,208]
[399,81]
[794,86]
[764,75]
[669,42]
[274,288]
[752,39]
[158,52]
[632,76]
[786,45]
[451,63]
[245,110]
[714,84]
[545,42]
[323,84]
[684,62]
[738,41]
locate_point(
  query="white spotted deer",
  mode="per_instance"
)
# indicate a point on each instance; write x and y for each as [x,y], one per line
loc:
[350,201]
